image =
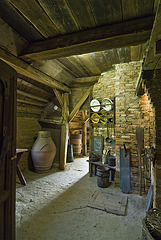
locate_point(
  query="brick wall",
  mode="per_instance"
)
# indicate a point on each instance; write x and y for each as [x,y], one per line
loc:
[147,110]
[120,83]
[153,89]
[27,131]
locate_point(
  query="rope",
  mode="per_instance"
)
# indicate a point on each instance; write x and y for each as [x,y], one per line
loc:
[153,217]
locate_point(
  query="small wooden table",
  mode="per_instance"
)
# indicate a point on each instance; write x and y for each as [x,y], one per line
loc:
[99,163]
[19,153]
[95,164]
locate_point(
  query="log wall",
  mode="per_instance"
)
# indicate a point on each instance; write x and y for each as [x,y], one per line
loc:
[27,131]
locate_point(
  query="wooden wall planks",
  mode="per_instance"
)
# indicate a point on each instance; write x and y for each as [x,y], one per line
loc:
[60,14]
[82,13]
[95,63]
[60,63]
[37,17]
[69,65]
[89,64]
[134,9]
[52,18]
[136,53]
[51,68]
[76,95]
[76,62]
[124,54]
[100,61]
[23,85]
[9,14]
[106,12]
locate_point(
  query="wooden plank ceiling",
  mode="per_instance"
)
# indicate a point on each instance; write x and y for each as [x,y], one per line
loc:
[77,27]
[44,19]
[74,41]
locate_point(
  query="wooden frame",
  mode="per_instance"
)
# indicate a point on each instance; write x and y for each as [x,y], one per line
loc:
[97,144]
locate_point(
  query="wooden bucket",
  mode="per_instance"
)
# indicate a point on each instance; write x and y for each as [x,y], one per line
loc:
[76,141]
[112,161]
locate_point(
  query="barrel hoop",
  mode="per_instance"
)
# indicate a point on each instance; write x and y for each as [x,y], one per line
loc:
[102,176]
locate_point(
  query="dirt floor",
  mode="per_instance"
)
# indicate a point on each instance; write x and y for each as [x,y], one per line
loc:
[54,206]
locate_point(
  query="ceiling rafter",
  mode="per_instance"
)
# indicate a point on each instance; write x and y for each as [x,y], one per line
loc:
[27,70]
[123,34]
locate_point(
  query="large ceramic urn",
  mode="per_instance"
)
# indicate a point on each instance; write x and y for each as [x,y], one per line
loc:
[43,152]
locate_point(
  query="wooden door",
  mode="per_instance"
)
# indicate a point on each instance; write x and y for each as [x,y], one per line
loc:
[7,151]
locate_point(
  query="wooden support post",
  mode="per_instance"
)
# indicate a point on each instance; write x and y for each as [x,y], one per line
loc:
[84,132]
[27,70]
[64,131]
[79,104]
[59,97]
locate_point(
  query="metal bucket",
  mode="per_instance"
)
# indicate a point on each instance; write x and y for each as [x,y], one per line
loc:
[103,176]
[112,174]
[112,161]
[70,153]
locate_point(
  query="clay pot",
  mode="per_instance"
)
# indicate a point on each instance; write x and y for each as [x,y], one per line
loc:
[43,152]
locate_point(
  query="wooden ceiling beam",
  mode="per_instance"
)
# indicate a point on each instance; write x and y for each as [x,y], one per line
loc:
[29,95]
[51,121]
[79,104]
[59,97]
[84,81]
[32,86]
[152,59]
[28,110]
[27,70]
[29,102]
[118,35]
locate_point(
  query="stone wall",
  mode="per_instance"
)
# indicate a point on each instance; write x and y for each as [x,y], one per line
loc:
[120,84]
[27,131]
[147,110]
[153,84]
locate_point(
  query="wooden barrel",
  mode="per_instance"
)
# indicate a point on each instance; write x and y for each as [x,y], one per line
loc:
[76,141]
[103,176]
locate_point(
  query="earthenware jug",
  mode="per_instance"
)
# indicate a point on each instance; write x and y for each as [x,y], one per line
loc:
[43,152]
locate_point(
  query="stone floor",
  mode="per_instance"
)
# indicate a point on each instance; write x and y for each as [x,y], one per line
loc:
[54,206]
